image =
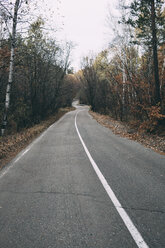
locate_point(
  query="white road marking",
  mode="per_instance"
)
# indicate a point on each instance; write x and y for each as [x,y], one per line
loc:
[5,171]
[123,214]
[20,155]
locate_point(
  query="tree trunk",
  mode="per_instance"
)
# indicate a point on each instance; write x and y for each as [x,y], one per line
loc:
[157,98]
[10,79]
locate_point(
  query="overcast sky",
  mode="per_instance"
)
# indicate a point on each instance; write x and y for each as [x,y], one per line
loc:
[83,22]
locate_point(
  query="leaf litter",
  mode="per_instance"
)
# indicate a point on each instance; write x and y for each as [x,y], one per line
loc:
[123,129]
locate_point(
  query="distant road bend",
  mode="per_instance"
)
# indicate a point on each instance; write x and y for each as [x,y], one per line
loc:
[80,186]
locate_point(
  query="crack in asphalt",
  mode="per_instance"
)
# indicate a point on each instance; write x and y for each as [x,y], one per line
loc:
[144,209]
[54,193]
[82,194]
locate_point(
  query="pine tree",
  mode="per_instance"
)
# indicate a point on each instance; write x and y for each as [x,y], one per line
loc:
[147,19]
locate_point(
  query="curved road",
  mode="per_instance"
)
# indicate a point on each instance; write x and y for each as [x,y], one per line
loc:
[79,185]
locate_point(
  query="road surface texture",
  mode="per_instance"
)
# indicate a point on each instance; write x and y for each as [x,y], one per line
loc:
[79,185]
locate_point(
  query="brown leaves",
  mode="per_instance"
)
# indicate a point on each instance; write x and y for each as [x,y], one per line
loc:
[154,116]
[12,144]
[153,141]
[4,58]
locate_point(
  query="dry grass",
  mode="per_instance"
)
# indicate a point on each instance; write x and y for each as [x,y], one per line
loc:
[153,141]
[11,145]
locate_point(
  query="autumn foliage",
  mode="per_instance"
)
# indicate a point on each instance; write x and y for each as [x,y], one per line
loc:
[124,88]
[39,86]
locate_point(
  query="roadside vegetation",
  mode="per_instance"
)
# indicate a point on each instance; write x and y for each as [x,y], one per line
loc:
[154,141]
[37,85]
[12,144]
[40,79]
[126,81]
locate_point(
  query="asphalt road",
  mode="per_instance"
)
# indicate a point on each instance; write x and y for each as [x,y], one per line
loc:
[53,196]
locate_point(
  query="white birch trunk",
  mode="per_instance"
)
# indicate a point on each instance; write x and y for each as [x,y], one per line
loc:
[10,79]
[124,78]
[0,32]
[124,81]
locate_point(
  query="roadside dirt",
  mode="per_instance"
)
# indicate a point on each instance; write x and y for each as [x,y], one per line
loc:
[153,141]
[11,145]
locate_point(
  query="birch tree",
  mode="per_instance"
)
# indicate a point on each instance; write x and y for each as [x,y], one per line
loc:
[8,15]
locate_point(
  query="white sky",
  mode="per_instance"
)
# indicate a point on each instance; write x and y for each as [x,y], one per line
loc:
[83,22]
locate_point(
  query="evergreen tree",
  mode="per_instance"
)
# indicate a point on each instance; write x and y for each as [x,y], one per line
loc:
[147,19]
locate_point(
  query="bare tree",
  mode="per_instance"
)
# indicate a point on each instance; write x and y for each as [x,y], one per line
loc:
[12,53]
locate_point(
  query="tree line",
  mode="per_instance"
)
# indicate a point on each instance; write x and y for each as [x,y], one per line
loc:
[40,80]
[127,79]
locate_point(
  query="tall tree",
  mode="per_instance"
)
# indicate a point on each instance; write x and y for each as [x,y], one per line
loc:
[146,18]
[13,41]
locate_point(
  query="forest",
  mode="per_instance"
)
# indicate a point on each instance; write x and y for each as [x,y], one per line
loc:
[34,69]
[126,80]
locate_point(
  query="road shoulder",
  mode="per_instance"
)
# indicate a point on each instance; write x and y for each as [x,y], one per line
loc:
[11,145]
[153,141]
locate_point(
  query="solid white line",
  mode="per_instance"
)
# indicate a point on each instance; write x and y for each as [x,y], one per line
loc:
[21,154]
[123,214]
